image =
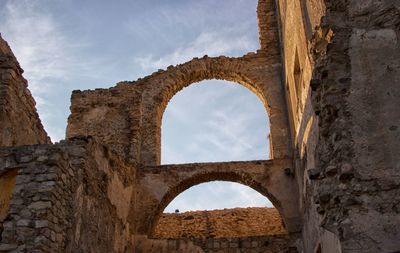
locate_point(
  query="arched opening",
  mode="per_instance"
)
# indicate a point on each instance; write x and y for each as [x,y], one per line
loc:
[179,178]
[243,220]
[165,85]
[214,121]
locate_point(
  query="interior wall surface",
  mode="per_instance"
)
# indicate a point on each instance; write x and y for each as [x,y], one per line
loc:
[341,67]
[69,197]
[359,99]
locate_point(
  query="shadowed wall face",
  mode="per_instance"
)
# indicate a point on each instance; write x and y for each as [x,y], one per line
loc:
[7,184]
[339,76]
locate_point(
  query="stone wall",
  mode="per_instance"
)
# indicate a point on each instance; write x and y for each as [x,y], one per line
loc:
[146,245]
[235,222]
[19,121]
[268,30]
[358,187]
[68,197]
[341,61]
[104,114]
[256,244]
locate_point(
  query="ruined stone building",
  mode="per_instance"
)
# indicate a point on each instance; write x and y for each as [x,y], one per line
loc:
[328,73]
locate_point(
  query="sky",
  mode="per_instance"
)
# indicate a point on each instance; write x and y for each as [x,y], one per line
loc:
[65,45]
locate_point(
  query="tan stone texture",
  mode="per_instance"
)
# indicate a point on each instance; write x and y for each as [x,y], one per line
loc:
[235,222]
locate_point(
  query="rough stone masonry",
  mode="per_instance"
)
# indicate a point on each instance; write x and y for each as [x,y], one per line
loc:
[328,73]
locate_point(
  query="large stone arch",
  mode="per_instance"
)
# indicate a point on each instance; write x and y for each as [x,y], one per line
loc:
[127,118]
[159,185]
[252,71]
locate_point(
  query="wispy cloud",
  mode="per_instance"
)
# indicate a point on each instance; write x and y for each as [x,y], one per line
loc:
[214,121]
[249,196]
[206,43]
[49,56]
[38,43]
[45,53]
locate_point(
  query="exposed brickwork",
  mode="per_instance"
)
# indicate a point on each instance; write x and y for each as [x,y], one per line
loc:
[254,244]
[7,184]
[268,29]
[20,123]
[236,222]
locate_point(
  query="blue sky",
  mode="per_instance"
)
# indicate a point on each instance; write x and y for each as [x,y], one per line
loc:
[65,45]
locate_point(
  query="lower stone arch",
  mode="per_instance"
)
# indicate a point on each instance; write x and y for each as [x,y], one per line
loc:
[237,177]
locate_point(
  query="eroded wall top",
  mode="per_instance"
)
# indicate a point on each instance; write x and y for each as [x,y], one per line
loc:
[19,121]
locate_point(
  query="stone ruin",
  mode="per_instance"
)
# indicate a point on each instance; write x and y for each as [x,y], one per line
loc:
[328,73]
